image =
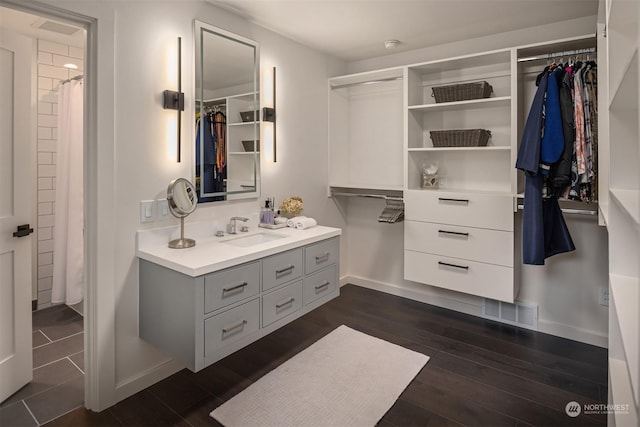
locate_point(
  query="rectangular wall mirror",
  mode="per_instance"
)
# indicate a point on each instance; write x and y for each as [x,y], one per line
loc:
[227,122]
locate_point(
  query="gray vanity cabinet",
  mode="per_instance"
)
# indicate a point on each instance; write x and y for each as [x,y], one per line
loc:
[199,320]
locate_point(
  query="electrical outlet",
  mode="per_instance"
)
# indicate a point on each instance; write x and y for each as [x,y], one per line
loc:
[147,210]
[163,209]
[603,296]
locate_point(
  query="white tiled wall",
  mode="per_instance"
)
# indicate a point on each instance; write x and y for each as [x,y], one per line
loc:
[51,58]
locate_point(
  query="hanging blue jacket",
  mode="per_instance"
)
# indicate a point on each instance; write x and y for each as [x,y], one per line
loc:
[544,232]
[552,144]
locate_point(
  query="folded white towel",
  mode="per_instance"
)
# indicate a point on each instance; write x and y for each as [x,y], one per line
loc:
[305,222]
[291,222]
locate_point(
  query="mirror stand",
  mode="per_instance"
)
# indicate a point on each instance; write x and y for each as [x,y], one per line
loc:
[182,243]
[182,199]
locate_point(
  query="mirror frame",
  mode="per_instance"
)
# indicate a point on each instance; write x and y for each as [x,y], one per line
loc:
[200,29]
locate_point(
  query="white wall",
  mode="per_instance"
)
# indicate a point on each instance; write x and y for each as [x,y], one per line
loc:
[136,159]
[565,289]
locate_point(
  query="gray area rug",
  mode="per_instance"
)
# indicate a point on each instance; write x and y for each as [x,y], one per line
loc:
[346,378]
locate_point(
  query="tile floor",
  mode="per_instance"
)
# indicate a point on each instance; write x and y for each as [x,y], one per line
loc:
[58,370]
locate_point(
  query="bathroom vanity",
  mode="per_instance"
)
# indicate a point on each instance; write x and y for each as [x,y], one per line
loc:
[203,303]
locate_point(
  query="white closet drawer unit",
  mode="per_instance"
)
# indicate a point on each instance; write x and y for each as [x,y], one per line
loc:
[281,268]
[321,254]
[476,244]
[231,285]
[319,284]
[282,302]
[230,326]
[481,210]
[471,277]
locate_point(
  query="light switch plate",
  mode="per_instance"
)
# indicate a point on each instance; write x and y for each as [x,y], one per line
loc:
[147,210]
[163,209]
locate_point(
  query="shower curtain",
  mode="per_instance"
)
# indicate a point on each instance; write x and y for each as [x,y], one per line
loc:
[68,247]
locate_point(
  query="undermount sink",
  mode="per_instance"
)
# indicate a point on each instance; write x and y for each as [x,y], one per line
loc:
[254,239]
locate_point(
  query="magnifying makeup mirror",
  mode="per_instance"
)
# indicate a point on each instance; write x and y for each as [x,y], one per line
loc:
[182,199]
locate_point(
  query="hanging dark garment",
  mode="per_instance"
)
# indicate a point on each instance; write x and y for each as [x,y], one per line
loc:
[529,153]
[205,166]
[561,171]
[544,231]
[552,143]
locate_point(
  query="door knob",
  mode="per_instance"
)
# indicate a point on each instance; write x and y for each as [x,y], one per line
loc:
[23,230]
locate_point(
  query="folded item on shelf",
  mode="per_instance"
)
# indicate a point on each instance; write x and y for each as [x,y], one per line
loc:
[304,223]
[291,222]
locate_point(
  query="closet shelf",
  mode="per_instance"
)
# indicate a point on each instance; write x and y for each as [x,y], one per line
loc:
[625,292]
[364,187]
[243,123]
[489,148]
[501,101]
[630,202]
[241,153]
[624,95]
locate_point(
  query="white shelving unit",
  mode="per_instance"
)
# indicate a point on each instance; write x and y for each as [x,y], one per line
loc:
[623,220]
[460,168]
[365,131]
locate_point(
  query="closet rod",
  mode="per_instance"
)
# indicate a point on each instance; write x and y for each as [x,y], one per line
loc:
[558,54]
[374,196]
[369,82]
[78,77]
[571,211]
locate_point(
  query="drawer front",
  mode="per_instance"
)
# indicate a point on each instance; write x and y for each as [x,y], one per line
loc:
[476,244]
[319,284]
[228,286]
[281,303]
[485,280]
[281,268]
[231,326]
[471,209]
[321,254]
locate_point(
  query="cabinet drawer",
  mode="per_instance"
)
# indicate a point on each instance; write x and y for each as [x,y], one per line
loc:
[231,326]
[281,303]
[281,268]
[319,284]
[485,280]
[321,254]
[228,286]
[476,244]
[471,209]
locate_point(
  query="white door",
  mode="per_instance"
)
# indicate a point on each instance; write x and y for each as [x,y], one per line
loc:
[16,360]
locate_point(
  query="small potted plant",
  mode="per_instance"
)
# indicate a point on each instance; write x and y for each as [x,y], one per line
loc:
[291,206]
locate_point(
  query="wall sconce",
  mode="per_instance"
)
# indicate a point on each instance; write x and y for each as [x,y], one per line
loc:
[269,113]
[174,100]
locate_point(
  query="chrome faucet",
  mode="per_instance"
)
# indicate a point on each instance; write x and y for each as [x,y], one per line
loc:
[231,227]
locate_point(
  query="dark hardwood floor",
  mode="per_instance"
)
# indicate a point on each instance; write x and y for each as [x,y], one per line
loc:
[480,373]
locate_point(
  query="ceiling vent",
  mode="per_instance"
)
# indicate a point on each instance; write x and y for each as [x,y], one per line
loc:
[56,27]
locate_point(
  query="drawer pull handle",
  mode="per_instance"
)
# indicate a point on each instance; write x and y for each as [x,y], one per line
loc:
[233,288]
[323,285]
[455,233]
[447,199]
[236,326]
[287,302]
[286,269]
[323,257]
[462,267]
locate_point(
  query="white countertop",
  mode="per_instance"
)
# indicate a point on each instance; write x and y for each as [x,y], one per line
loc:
[211,253]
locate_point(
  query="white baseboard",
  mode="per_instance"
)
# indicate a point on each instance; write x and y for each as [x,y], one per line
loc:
[417,292]
[573,333]
[146,378]
[430,296]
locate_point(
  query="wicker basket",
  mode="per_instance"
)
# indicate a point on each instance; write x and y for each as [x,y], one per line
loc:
[247,116]
[248,145]
[460,138]
[462,92]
